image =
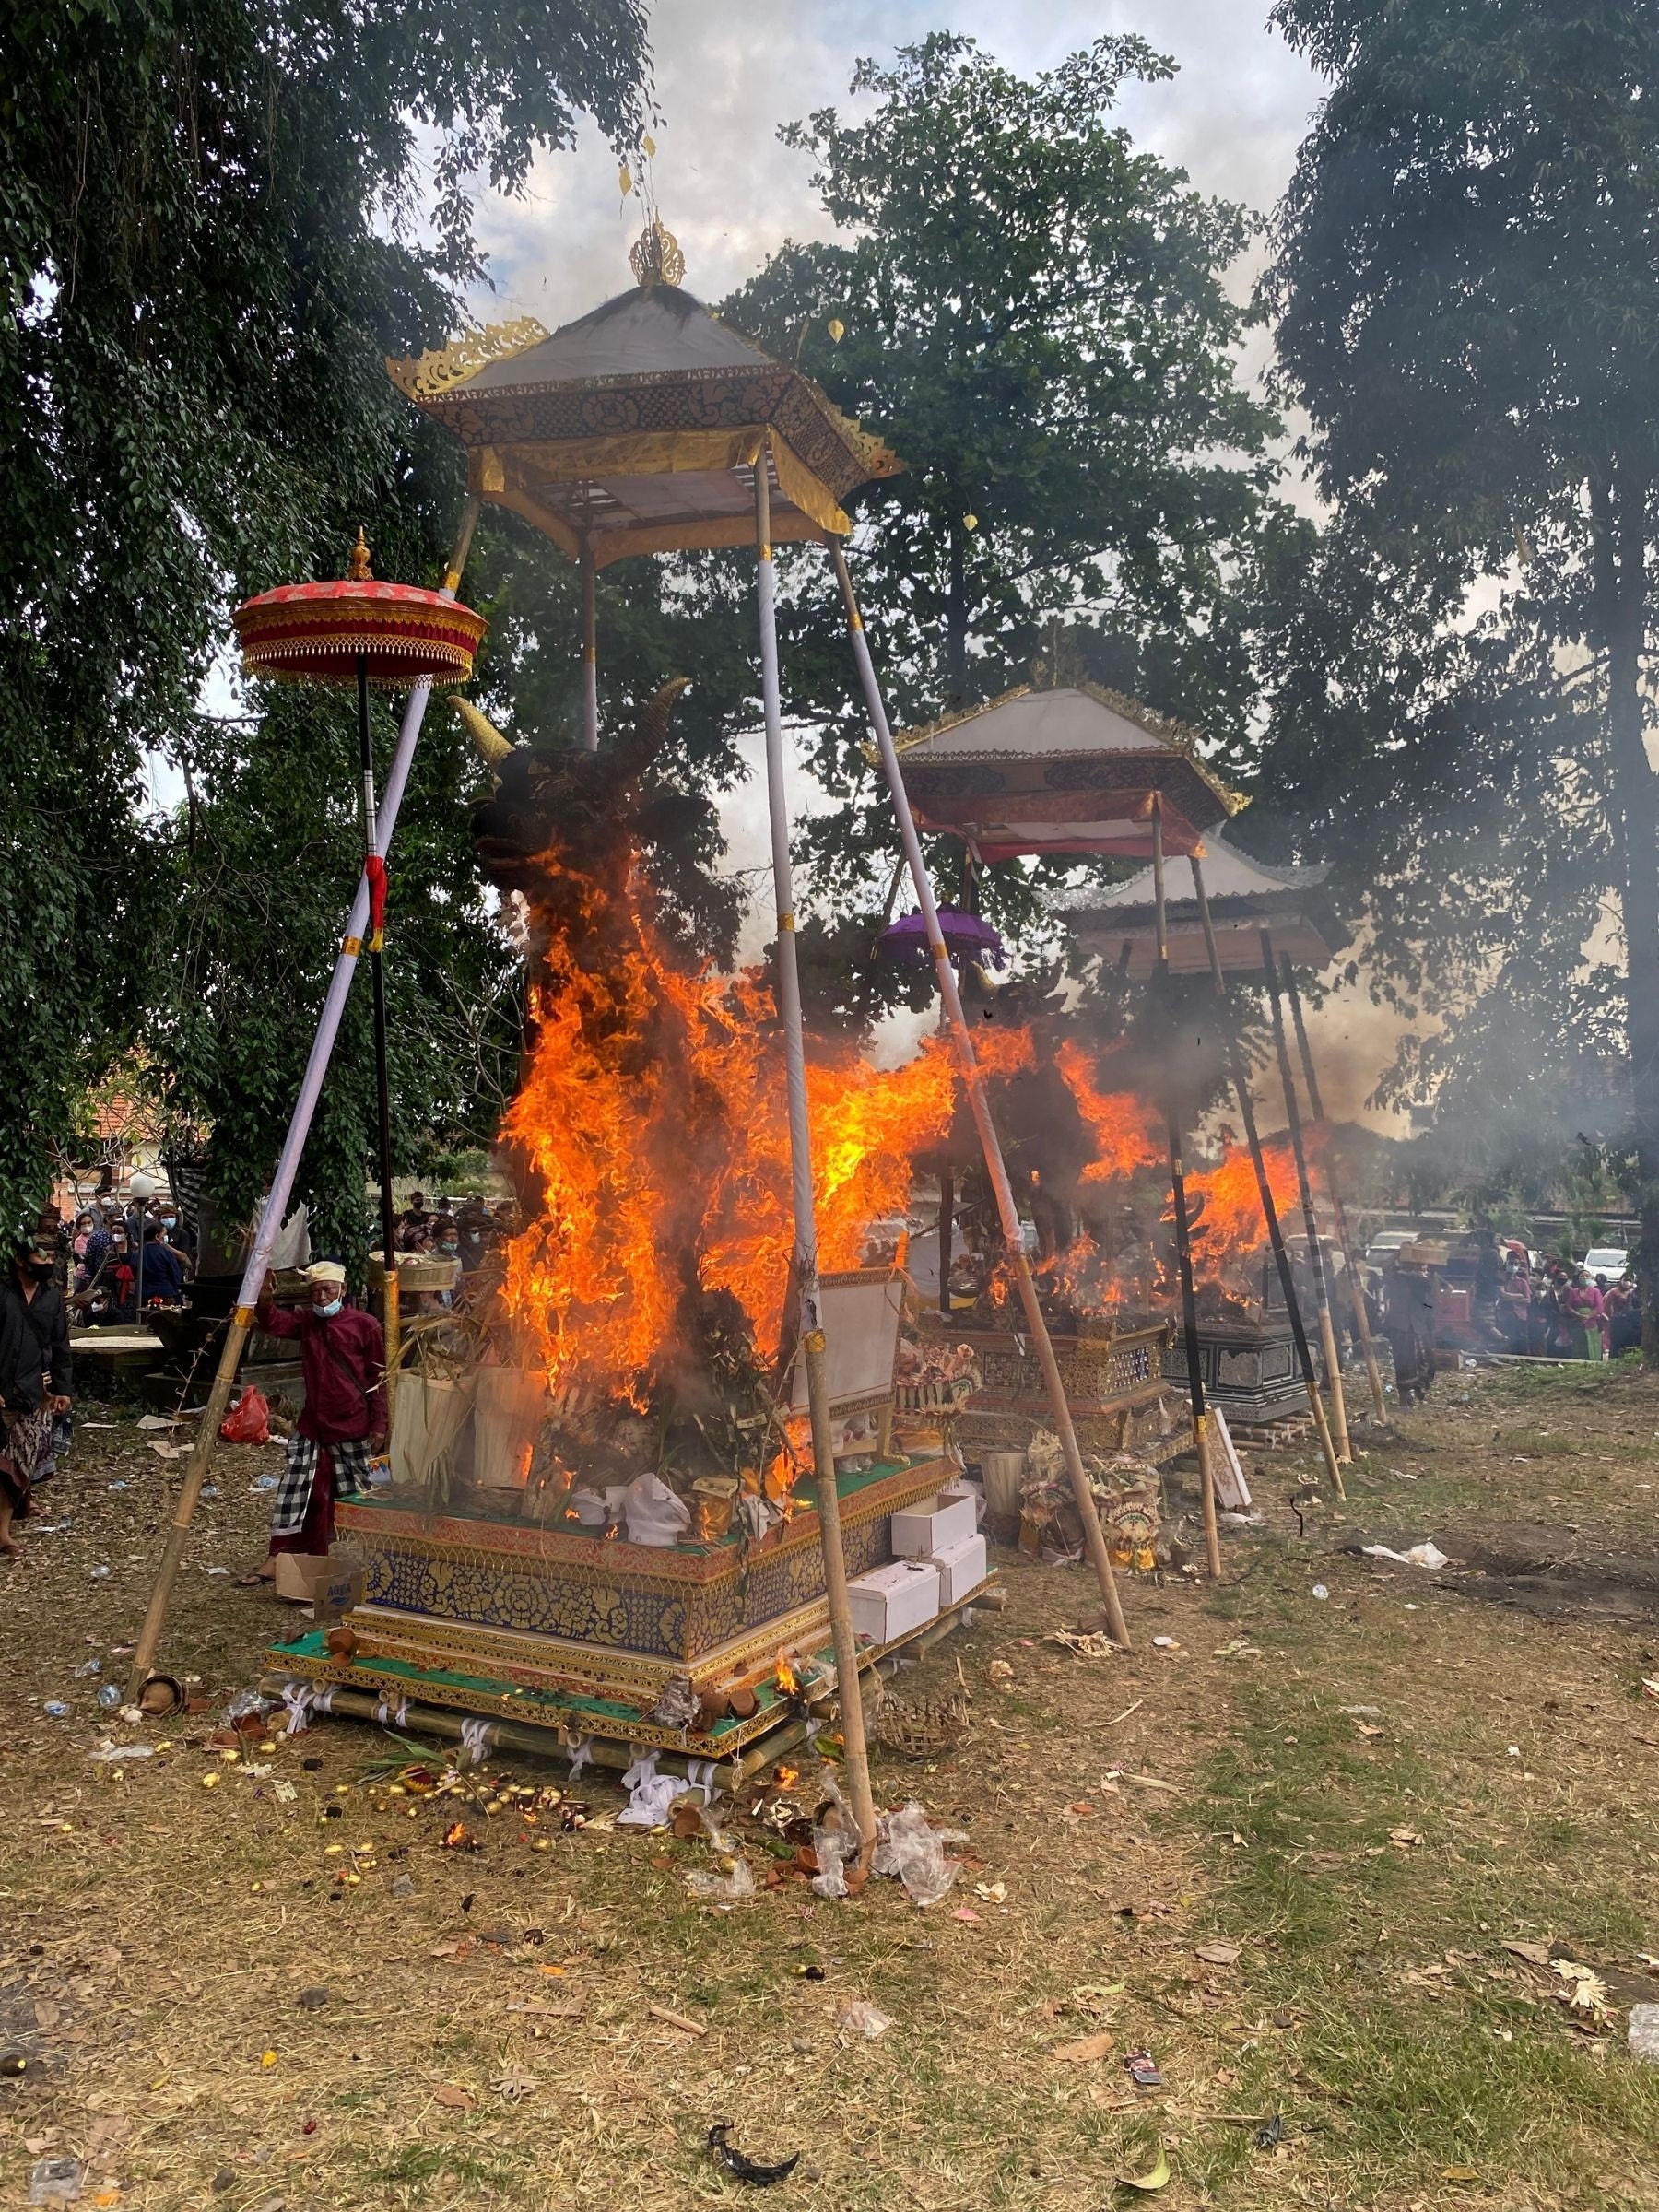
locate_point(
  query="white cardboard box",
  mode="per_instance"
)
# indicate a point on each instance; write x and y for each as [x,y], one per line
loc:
[890,1601]
[962,1568]
[922,1531]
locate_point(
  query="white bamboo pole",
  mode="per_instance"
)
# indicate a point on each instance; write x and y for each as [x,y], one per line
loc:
[807,1292]
[287,1165]
[1094,1537]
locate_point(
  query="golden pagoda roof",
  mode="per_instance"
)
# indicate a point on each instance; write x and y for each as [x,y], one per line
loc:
[637,428]
[1073,769]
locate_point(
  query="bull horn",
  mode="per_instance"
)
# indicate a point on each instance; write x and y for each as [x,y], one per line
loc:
[493,748]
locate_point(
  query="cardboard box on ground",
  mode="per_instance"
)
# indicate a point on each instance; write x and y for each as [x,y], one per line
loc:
[324,1584]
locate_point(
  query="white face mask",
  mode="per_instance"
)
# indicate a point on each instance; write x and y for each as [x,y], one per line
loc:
[329,1310]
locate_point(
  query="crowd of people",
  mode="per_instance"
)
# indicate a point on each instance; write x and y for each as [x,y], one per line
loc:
[1557,1309]
[468,1234]
[120,1255]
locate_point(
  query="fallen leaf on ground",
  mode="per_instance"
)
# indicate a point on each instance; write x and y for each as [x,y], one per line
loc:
[1156,2177]
[1085,2052]
[1406,1837]
[1535,1953]
[452,2095]
[1217,1954]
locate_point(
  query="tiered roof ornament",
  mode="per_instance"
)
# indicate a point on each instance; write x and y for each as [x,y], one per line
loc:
[1070,771]
[1245,898]
[637,427]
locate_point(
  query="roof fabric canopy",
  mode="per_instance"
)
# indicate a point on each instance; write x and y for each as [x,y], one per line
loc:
[638,429]
[1072,771]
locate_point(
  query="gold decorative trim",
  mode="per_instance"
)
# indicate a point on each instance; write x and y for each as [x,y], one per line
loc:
[565,1666]
[1178,736]
[425,375]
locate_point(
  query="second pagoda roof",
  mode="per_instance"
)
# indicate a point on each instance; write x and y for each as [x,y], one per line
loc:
[1075,769]
[1246,897]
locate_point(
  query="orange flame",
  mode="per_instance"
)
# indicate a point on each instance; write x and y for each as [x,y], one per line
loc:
[1230,1222]
[788,1681]
[653,1112]
[1128,1133]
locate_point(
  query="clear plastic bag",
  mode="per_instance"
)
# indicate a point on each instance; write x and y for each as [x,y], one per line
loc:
[861,2018]
[913,1852]
[734,1886]
[835,1841]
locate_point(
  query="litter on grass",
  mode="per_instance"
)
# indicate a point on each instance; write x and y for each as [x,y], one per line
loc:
[1428,1554]
[914,1851]
[741,2166]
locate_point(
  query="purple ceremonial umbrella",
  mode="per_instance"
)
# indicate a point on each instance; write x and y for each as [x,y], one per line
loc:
[966,937]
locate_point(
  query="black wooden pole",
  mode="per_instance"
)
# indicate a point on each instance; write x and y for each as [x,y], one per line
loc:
[1327,1336]
[1334,1188]
[1252,1136]
[1183,1242]
[377,983]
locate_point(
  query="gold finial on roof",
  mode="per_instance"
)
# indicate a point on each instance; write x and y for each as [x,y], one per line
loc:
[359,571]
[655,257]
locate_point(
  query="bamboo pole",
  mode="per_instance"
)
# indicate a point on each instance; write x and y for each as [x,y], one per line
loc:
[590,651]
[1094,1537]
[814,1350]
[1327,1336]
[1275,1235]
[1184,1241]
[1333,1191]
[287,1165]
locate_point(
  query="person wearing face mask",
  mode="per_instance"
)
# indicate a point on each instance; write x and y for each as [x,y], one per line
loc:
[35,1375]
[343,1365]
[163,1270]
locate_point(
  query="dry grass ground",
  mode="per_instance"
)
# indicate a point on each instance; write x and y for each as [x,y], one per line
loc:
[155,1933]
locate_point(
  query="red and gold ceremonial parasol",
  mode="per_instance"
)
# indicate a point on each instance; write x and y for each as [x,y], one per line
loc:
[393,634]
[392,637]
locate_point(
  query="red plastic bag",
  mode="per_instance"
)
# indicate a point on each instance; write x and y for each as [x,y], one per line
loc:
[249,1421]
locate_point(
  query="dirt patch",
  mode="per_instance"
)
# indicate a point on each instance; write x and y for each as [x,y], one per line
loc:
[1554,1572]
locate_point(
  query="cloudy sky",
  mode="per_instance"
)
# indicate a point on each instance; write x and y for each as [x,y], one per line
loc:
[729,72]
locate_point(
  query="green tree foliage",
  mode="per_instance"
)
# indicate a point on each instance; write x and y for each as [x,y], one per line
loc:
[1467,295]
[1033,313]
[215,218]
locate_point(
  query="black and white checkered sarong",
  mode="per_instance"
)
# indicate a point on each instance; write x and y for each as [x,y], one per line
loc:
[293,1492]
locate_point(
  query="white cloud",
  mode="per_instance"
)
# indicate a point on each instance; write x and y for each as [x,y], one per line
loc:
[728,74]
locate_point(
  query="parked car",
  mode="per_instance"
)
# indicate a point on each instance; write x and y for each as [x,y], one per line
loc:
[1610,1260]
[1386,1243]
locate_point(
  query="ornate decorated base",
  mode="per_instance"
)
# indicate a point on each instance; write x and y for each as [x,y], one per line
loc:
[511,1619]
[431,1702]
[1115,1387]
[1249,1369]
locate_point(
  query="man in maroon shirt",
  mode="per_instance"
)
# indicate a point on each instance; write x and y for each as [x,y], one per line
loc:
[343,1362]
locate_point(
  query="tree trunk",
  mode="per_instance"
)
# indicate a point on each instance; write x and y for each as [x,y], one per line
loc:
[956,621]
[1621,597]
